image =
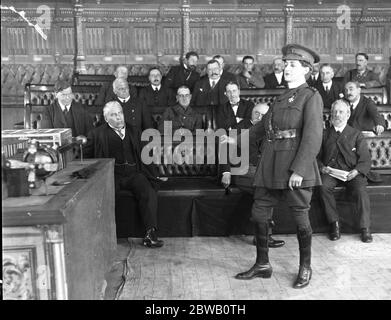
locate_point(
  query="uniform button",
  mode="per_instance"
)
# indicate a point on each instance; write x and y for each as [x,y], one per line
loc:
[132,110]
[184,117]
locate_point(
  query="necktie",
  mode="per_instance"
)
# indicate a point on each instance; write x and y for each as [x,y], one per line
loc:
[351,108]
[213,84]
[119,132]
[65,111]
[327,89]
[156,90]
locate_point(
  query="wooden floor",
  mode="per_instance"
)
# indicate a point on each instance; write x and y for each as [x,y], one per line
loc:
[201,268]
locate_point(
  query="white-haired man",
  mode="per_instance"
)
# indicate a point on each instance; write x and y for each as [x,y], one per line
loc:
[344,148]
[119,140]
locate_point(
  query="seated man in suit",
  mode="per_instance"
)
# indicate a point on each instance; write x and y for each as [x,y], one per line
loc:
[135,112]
[106,92]
[364,114]
[235,110]
[245,181]
[225,74]
[365,77]
[329,90]
[181,115]
[64,112]
[344,148]
[276,80]
[247,78]
[117,139]
[156,97]
[209,92]
[314,78]
[184,74]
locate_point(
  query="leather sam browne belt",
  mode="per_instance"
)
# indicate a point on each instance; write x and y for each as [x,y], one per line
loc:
[284,134]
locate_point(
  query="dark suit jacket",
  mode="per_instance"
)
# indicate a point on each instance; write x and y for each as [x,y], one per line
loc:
[328,99]
[107,94]
[225,117]
[202,92]
[163,99]
[272,83]
[177,77]
[369,78]
[351,145]
[136,114]
[365,117]
[53,117]
[98,147]
[314,83]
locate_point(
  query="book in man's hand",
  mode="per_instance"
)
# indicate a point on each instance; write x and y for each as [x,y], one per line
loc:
[338,174]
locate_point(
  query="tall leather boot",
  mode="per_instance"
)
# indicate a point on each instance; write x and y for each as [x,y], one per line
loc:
[274,243]
[305,271]
[262,267]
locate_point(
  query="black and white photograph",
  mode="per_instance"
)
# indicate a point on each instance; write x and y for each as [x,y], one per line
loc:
[196,156]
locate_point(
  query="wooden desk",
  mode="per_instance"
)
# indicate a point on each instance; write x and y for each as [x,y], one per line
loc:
[59,246]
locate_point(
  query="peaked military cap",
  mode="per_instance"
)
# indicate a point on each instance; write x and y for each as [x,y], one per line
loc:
[298,52]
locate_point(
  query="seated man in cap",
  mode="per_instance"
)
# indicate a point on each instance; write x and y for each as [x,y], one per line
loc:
[65,112]
[245,181]
[181,115]
[119,140]
[365,77]
[291,134]
[344,148]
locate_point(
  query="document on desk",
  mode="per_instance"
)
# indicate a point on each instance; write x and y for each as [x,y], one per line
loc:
[338,174]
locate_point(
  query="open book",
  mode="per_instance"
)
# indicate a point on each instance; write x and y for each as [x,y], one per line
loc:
[338,174]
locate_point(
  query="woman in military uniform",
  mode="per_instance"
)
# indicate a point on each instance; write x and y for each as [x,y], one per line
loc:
[288,170]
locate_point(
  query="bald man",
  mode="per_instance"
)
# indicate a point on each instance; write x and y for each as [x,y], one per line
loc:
[245,181]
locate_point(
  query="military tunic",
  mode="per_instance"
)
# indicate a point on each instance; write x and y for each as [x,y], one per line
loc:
[301,109]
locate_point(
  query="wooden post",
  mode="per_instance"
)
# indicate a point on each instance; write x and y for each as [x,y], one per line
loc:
[185,13]
[79,58]
[288,11]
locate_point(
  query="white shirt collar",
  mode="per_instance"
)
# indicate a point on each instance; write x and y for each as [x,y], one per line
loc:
[279,76]
[340,129]
[216,81]
[118,131]
[124,100]
[154,87]
[315,76]
[328,85]
[355,103]
[62,106]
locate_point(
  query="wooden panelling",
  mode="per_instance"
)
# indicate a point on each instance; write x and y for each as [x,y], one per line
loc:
[67,40]
[374,40]
[221,40]
[17,41]
[118,41]
[172,40]
[143,40]
[322,40]
[274,40]
[94,41]
[346,40]
[245,40]
[197,40]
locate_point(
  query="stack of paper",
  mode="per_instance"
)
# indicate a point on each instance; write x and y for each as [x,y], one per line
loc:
[338,174]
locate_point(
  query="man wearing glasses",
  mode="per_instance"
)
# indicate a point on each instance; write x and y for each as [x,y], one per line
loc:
[64,112]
